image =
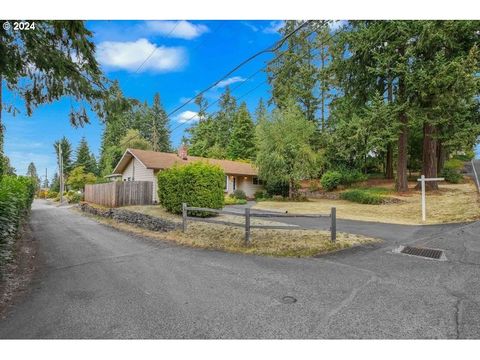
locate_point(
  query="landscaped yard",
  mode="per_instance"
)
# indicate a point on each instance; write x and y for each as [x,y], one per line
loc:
[228,238]
[452,203]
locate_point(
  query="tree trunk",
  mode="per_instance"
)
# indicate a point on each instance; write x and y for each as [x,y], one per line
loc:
[291,189]
[389,162]
[402,178]
[429,157]
[441,156]
[389,157]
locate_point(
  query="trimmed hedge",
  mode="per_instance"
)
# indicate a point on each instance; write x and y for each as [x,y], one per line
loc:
[362,196]
[198,184]
[16,196]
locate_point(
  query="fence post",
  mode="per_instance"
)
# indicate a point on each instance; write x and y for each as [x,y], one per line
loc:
[247,226]
[333,226]
[184,217]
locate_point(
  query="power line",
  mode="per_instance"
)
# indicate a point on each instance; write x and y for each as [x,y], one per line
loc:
[281,42]
[271,48]
[256,72]
[155,49]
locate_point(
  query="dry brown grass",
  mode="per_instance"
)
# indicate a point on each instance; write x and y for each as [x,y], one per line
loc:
[293,243]
[452,203]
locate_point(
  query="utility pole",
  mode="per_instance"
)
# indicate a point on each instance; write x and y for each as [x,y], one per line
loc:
[60,166]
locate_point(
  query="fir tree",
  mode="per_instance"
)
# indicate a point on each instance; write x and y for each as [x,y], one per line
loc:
[85,158]
[242,142]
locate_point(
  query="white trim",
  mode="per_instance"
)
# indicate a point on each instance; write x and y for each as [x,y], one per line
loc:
[123,156]
[226,186]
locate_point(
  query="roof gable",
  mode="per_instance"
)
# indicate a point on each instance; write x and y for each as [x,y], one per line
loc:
[162,160]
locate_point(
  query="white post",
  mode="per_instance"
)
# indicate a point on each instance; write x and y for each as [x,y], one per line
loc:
[424,206]
[424,210]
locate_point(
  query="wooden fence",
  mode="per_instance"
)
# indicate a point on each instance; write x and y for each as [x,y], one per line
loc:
[248,214]
[120,193]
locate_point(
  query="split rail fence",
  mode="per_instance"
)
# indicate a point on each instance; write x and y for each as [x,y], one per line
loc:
[248,214]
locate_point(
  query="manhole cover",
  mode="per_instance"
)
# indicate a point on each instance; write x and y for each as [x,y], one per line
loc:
[289,300]
[423,252]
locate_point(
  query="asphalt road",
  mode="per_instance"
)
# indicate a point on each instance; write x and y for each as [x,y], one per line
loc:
[95,282]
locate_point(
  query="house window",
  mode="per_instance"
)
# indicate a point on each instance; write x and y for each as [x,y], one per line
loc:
[257,181]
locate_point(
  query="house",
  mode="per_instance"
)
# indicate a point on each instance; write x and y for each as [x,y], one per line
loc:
[143,165]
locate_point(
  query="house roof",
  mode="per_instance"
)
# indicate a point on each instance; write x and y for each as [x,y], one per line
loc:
[162,160]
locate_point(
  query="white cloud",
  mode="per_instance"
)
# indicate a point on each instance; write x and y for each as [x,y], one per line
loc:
[176,29]
[187,116]
[274,27]
[229,81]
[129,55]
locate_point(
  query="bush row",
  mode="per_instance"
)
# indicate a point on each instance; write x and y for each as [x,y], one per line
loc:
[16,196]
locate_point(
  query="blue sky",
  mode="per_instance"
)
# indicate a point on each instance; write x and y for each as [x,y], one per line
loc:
[186,60]
[188,56]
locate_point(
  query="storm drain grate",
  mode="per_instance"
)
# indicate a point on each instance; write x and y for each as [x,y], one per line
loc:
[423,252]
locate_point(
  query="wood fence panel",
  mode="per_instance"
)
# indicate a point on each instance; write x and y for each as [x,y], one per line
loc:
[120,193]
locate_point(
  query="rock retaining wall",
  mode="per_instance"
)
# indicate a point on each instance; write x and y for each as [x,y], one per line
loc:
[130,217]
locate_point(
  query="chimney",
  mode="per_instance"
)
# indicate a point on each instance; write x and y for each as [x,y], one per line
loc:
[183,152]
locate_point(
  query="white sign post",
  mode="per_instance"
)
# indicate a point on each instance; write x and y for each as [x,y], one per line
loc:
[424,205]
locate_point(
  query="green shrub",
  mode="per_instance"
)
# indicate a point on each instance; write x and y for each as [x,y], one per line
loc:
[198,184]
[330,180]
[261,195]
[451,175]
[52,194]
[229,200]
[362,196]
[454,164]
[350,177]
[240,194]
[74,197]
[16,196]
[232,200]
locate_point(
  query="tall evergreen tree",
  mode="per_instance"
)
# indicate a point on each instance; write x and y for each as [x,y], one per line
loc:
[292,72]
[32,173]
[117,119]
[224,119]
[160,134]
[85,158]
[242,143]
[261,112]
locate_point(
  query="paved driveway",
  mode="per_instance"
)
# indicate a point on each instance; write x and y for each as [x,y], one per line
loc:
[95,282]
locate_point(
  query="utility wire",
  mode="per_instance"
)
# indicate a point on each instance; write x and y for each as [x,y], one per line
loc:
[242,83]
[155,48]
[252,75]
[271,48]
